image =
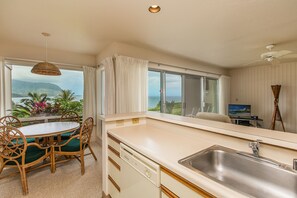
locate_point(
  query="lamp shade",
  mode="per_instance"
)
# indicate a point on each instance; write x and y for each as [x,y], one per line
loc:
[45,68]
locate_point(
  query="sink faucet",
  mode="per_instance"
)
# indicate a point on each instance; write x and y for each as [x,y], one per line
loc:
[255,147]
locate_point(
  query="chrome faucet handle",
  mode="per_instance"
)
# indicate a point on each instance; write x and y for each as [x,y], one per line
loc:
[255,147]
[255,143]
[295,164]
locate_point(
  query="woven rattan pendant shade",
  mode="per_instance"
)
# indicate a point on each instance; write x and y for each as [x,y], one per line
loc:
[46,68]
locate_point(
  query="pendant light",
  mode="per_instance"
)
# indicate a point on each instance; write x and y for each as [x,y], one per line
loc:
[46,68]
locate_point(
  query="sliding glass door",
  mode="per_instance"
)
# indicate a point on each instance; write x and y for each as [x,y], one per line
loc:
[192,95]
[210,95]
[181,94]
[173,93]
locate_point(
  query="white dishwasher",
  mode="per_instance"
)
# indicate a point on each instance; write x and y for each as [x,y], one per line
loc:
[140,177]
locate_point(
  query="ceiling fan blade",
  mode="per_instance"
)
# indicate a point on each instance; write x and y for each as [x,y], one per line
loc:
[282,53]
[288,56]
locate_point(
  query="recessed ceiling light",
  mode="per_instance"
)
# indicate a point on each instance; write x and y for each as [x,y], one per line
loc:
[154,8]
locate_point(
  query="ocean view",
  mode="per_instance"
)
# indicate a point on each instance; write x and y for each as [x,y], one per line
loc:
[154,100]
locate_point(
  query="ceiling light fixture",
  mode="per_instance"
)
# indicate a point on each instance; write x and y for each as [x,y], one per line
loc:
[154,8]
[46,68]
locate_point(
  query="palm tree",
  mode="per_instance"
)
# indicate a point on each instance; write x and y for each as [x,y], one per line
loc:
[66,96]
[29,104]
[66,102]
[34,97]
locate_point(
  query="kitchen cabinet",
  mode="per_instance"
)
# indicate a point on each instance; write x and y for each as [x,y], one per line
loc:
[174,186]
[114,167]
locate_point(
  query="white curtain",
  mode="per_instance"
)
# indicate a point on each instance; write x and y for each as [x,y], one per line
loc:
[131,84]
[89,92]
[224,93]
[109,103]
[2,111]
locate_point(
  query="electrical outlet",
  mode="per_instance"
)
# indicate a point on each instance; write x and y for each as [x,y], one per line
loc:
[135,120]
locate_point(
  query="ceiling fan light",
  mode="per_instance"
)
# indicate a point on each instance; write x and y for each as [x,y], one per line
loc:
[45,68]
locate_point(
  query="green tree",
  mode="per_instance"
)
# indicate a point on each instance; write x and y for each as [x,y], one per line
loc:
[66,96]
[66,102]
[28,106]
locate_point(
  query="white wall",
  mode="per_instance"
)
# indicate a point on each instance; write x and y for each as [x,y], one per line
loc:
[12,50]
[252,85]
[156,56]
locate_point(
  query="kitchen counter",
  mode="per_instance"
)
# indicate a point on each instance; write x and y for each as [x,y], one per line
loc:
[277,138]
[167,147]
[166,139]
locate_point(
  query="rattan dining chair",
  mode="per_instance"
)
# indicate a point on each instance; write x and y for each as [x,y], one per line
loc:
[14,122]
[70,116]
[76,145]
[11,121]
[15,152]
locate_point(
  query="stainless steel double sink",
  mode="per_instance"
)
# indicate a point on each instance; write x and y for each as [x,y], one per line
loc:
[253,176]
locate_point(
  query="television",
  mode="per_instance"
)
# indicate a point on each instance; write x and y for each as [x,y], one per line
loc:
[239,110]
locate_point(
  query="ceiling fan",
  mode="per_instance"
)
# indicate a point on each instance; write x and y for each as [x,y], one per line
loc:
[272,55]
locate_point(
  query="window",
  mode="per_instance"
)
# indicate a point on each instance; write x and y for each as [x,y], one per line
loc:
[154,91]
[210,95]
[38,95]
[181,94]
[173,94]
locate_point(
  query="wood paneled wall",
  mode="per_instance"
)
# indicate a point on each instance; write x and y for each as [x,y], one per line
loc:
[252,85]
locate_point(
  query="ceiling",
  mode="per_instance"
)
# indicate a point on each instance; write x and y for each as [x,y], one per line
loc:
[228,33]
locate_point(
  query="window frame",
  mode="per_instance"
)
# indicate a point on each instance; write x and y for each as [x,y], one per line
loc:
[8,86]
[203,79]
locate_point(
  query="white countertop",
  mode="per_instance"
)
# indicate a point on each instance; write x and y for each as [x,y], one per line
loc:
[167,147]
[278,138]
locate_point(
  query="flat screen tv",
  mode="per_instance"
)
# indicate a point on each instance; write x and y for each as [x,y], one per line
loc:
[239,110]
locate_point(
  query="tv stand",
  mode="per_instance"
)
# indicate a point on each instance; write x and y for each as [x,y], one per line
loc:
[247,121]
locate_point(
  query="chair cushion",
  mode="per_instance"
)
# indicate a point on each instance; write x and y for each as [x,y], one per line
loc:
[29,140]
[33,153]
[72,146]
[66,136]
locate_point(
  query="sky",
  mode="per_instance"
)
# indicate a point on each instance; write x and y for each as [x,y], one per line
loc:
[173,84]
[73,80]
[69,79]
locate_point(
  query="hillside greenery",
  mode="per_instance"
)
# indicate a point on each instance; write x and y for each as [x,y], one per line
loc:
[171,107]
[22,88]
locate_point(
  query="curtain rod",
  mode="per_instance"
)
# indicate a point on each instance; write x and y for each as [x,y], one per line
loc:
[179,67]
[37,61]
[175,66]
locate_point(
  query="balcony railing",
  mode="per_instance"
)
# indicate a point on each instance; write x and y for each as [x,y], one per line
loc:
[41,119]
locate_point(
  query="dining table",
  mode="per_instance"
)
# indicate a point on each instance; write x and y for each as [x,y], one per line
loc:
[48,131]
